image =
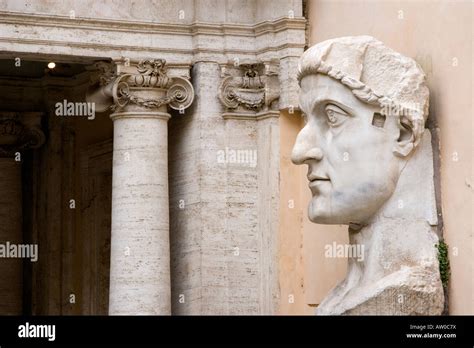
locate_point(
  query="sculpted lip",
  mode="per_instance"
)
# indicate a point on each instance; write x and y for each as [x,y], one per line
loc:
[317,179]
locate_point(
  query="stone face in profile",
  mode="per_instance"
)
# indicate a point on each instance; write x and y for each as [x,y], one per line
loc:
[370,167]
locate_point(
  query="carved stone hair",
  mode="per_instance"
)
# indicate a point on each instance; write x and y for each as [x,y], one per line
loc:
[398,82]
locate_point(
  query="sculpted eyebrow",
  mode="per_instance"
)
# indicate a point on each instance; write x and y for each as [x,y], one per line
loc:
[319,101]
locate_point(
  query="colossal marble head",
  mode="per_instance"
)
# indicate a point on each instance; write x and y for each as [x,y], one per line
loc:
[365,107]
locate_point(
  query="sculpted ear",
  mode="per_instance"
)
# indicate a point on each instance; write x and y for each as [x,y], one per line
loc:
[410,136]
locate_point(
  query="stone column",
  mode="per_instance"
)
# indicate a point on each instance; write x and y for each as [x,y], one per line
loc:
[18,132]
[140,249]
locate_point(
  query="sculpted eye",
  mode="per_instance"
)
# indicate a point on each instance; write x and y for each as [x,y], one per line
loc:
[336,116]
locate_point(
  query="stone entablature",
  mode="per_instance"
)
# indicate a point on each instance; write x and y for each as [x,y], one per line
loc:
[167,38]
[182,43]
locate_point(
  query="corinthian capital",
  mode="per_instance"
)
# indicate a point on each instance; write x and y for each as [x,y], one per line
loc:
[20,131]
[121,84]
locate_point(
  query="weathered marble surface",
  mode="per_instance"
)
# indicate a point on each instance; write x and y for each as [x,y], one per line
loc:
[370,166]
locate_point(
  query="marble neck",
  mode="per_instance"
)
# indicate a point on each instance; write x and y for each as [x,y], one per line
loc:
[402,233]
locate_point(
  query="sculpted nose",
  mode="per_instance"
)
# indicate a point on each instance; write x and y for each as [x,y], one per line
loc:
[301,154]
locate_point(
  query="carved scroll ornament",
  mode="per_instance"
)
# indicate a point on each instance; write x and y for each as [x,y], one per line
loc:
[151,73]
[250,91]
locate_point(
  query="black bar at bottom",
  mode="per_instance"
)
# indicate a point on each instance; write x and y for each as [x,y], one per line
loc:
[314,330]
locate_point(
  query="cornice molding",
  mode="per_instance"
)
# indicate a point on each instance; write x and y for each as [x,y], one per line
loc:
[281,38]
[191,52]
[194,28]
